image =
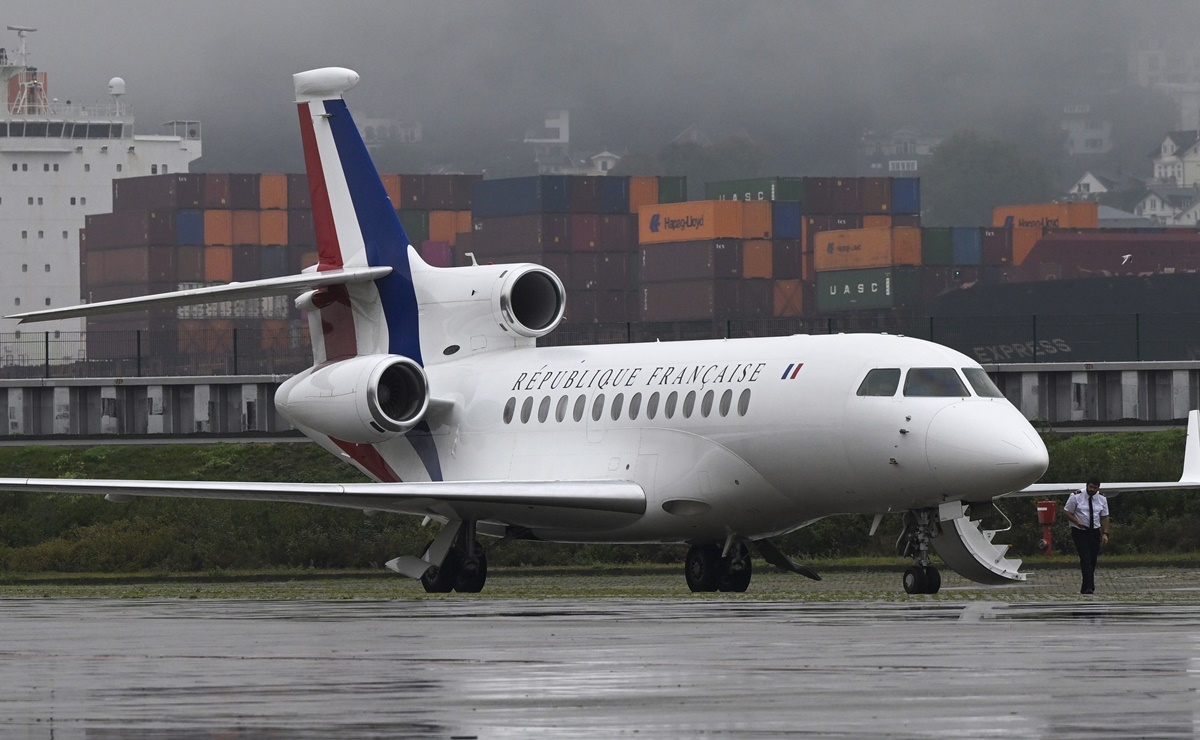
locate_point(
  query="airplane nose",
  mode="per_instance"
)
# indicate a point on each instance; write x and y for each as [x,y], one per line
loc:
[984,447]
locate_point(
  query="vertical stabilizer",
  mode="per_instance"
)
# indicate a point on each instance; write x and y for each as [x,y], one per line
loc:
[356,225]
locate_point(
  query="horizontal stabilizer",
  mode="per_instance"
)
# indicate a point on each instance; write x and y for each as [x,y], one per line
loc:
[264,288]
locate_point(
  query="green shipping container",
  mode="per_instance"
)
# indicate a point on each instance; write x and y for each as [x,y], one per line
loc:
[937,246]
[757,188]
[416,225]
[672,189]
[874,288]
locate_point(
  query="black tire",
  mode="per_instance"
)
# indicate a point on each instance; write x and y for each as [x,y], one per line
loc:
[914,580]
[703,568]
[736,570]
[933,580]
[441,579]
[472,572]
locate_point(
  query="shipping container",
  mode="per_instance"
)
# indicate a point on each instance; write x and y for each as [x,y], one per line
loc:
[448,192]
[618,233]
[818,196]
[706,300]
[443,226]
[615,306]
[509,235]
[937,246]
[906,219]
[598,271]
[245,227]
[520,196]
[216,191]
[814,225]
[272,192]
[300,227]
[877,222]
[585,232]
[683,261]
[1024,239]
[861,248]
[273,227]
[847,221]
[756,220]
[244,192]
[672,189]
[414,193]
[996,246]
[297,194]
[583,193]
[157,192]
[876,194]
[205,337]
[786,255]
[218,264]
[847,195]
[906,195]
[614,194]
[391,186]
[1047,216]
[693,221]
[757,188]
[247,262]
[189,228]
[130,229]
[218,228]
[416,225]
[437,253]
[757,260]
[1072,254]
[789,298]
[189,264]
[875,288]
[966,245]
[786,221]
[643,191]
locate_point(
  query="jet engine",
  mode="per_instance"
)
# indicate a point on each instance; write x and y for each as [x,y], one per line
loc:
[529,300]
[366,399]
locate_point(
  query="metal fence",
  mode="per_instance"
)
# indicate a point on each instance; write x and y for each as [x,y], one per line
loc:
[251,350]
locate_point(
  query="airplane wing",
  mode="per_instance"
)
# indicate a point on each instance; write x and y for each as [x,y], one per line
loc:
[230,292]
[571,504]
[1189,479]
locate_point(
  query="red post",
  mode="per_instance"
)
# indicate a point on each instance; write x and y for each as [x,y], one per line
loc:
[1046,512]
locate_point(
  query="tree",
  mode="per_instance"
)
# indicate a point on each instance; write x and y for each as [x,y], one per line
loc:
[969,174]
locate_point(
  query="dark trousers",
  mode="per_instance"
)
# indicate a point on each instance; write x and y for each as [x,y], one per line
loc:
[1087,542]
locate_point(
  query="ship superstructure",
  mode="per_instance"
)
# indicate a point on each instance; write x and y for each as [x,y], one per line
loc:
[57,164]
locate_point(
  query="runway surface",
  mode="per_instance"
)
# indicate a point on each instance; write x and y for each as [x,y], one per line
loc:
[658,668]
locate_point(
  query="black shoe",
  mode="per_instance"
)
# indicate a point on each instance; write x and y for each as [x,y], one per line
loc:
[1087,590]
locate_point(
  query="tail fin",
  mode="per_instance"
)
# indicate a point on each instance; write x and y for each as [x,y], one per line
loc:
[356,226]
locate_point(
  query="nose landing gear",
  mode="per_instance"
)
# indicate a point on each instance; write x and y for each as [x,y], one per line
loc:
[920,527]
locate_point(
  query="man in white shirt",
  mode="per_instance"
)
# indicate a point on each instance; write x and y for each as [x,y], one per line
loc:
[1088,514]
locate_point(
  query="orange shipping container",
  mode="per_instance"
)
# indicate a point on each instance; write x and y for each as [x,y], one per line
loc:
[218,228]
[218,264]
[643,191]
[212,337]
[789,298]
[443,225]
[756,256]
[1023,242]
[756,219]
[391,183]
[854,249]
[690,221]
[245,227]
[273,227]
[272,192]
[1049,216]
[877,222]
[462,222]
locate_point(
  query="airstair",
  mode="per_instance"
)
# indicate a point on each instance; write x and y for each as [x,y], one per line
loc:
[969,550]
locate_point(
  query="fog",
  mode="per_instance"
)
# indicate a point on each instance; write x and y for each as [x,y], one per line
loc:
[803,77]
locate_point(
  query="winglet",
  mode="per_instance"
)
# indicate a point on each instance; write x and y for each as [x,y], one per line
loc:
[1191,451]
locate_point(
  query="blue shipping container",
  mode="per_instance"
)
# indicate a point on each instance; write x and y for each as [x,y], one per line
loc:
[520,196]
[189,228]
[785,219]
[906,195]
[614,194]
[966,245]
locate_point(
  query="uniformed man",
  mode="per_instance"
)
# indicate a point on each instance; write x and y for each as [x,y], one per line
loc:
[1088,514]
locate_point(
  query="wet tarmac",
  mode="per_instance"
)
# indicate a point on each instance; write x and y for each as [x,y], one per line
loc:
[660,668]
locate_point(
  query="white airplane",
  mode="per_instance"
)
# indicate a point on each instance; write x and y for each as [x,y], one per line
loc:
[429,381]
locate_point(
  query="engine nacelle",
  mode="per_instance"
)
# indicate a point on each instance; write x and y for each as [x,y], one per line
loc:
[366,399]
[529,300]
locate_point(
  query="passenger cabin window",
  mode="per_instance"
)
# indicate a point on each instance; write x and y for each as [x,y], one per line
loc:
[652,405]
[942,382]
[509,408]
[880,382]
[981,383]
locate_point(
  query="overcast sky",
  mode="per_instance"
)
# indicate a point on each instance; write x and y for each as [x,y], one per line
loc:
[642,71]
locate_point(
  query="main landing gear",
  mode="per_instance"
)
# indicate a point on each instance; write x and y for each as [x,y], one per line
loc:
[464,569]
[708,570]
[920,526]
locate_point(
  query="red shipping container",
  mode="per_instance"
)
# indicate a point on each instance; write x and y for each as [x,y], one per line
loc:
[618,233]
[585,232]
[245,227]
[218,264]
[583,194]
[847,198]
[786,259]
[216,191]
[687,261]
[300,227]
[876,193]
[818,196]
[996,246]
[244,192]
[297,192]
[413,192]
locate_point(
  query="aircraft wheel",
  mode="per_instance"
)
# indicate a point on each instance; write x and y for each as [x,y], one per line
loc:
[933,580]
[703,568]
[914,580]
[441,579]
[472,573]
[736,571]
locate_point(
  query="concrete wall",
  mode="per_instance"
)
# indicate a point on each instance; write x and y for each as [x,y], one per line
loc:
[1055,393]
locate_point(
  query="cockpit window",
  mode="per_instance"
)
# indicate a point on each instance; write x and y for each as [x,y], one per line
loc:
[880,382]
[934,381]
[983,385]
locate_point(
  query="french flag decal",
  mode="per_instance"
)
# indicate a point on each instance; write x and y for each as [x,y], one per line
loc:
[792,370]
